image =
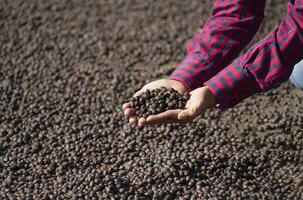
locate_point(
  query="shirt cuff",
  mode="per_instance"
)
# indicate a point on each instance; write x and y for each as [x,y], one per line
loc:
[182,80]
[232,85]
[192,72]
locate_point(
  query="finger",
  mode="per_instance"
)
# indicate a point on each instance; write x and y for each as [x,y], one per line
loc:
[126,105]
[185,117]
[141,122]
[140,92]
[133,120]
[166,121]
[187,114]
[188,104]
[129,112]
[165,117]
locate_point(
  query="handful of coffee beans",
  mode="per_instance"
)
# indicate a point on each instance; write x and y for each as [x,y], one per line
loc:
[155,101]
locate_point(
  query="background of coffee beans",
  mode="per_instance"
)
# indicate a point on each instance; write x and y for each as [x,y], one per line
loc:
[66,67]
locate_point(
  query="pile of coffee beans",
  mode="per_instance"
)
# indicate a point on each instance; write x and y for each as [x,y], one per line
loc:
[155,101]
[66,68]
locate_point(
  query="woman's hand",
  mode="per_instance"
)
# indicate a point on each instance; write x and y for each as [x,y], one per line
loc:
[200,100]
[168,83]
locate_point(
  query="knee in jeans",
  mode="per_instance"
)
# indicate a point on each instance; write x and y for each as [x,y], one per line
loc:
[297,75]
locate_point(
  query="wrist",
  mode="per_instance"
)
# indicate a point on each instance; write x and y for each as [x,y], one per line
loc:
[211,98]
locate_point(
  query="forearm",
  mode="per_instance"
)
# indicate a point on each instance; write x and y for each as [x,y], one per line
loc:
[228,30]
[266,65]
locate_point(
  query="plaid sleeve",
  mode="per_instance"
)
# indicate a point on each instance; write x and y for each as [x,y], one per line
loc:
[231,26]
[266,65]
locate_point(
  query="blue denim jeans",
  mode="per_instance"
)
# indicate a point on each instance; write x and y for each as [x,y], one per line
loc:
[296,76]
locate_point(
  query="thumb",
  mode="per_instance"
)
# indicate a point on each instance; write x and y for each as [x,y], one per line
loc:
[187,114]
[138,93]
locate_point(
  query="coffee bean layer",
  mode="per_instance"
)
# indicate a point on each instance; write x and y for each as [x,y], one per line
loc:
[66,68]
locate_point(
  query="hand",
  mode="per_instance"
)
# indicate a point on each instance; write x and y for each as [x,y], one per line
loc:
[200,100]
[168,83]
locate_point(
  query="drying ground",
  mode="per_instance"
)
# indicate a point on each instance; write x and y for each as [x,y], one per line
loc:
[66,67]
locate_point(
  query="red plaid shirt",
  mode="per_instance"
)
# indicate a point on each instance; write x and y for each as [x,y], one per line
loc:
[210,57]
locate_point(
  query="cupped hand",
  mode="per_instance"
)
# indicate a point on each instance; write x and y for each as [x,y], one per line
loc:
[167,83]
[200,100]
